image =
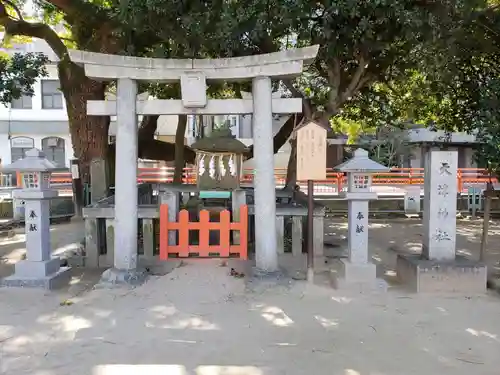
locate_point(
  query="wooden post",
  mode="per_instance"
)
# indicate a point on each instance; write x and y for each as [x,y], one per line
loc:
[148,239]
[297,235]
[280,234]
[488,194]
[78,200]
[310,230]
[311,165]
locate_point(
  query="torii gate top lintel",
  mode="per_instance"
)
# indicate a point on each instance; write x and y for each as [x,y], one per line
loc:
[281,64]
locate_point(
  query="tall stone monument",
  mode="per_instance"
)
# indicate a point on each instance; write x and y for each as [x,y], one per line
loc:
[440,205]
[39,269]
[438,268]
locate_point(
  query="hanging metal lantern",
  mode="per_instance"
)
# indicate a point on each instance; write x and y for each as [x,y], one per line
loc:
[219,160]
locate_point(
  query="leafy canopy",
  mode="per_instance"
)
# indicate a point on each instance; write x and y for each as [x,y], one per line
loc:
[18,73]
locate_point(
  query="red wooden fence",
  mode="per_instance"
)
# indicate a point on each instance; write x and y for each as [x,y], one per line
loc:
[184,250]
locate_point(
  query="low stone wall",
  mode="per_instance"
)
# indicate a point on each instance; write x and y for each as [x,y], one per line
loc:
[395,204]
[6,209]
[61,206]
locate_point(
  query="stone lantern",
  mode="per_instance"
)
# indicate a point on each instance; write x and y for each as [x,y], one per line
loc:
[357,268]
[219,160]
[39,269]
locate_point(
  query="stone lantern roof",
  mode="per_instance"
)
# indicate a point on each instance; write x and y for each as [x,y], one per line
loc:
[220,141]
[361,163]
[34,161]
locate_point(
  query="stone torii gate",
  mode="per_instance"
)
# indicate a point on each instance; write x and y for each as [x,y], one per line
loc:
[193,75]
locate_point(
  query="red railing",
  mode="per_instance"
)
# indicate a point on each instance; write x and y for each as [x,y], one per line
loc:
[334,181]
[225,249]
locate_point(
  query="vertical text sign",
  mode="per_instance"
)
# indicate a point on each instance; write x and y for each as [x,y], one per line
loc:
[311,152]
[440,205]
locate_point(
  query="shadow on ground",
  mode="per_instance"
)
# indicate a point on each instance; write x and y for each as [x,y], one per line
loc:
[199,320]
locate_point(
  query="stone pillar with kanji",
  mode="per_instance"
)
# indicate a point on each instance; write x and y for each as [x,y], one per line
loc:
[357,269]
[39,269]
[439,269]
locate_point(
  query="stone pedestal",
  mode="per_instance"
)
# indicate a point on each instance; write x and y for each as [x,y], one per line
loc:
[39,269]
[238,199]
[412,200]
[357,272]
[99,176]
[171,198]
[438,269]
[358,277]
[459,275]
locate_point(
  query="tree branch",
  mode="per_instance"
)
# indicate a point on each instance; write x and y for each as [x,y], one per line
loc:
[148,127]
[16,9]
[334,78]
[282,135]
[289,85]
[79,8]
[35,30]
[65,6]
[356,77]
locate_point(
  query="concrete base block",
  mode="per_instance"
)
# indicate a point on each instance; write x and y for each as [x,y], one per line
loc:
[356,277]
[259,281]
[115,278]
[53,281]
[296,265]
[427,276]
[29,269]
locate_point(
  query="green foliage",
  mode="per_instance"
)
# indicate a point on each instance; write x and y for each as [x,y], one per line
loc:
[361,41]
[381,63]
[409,99]
[18,73]
[391,146]
[466,78]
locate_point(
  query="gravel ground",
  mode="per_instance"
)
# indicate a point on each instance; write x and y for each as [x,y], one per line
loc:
[198,320]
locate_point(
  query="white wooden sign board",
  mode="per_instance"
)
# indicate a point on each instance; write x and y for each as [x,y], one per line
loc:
[311,152]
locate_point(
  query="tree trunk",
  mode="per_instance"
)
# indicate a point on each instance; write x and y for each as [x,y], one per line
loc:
[282,135]
[291,171]
[179,149]
[148,127]
[89,134]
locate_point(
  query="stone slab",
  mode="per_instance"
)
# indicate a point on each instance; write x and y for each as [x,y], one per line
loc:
[50,282]
[429,276]
[356,277]
[306,54]
[280,70]
[41,269]
[175,107]
[296,265]
[115,278]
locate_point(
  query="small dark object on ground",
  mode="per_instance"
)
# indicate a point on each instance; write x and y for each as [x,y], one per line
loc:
[236,274]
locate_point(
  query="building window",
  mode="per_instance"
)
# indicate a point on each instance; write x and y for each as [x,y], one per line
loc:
[51,95]
[24,102]
[54,150]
